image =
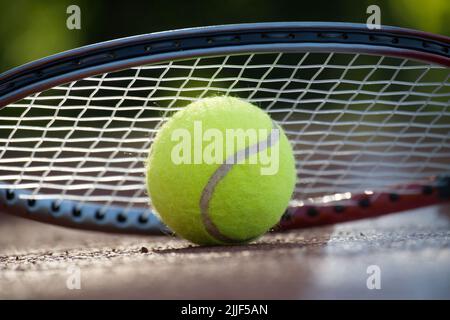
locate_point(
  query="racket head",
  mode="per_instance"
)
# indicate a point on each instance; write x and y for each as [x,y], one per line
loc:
[342,93]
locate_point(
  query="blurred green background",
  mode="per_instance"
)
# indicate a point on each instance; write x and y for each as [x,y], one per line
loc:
[34,29]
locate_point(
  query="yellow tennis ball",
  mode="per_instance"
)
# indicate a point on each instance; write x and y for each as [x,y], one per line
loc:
[220,171]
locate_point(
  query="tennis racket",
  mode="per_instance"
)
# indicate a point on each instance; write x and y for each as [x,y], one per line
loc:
[367,113]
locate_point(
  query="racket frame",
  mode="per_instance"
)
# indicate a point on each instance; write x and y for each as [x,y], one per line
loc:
[129,52]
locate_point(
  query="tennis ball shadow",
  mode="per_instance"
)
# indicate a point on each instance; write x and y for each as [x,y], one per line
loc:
[312,240]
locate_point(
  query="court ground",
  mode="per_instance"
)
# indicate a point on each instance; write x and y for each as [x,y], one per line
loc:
[411,250]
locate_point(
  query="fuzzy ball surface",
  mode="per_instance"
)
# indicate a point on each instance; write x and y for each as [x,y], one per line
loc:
[220,171]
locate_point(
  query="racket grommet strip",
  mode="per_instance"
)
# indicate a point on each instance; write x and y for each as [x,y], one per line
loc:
[142,219]
[76,211]
[55,206]
[312,212]
[339,209]
[427,190]
[393,197]
[122,218]
[10,195]
[31,202]
[99,214]
[364,203]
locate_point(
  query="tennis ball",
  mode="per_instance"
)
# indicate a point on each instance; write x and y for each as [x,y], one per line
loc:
[220,171]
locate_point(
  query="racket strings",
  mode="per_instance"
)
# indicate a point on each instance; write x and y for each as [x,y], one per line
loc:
[356,122]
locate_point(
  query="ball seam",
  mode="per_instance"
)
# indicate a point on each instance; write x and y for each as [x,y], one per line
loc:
[220,174]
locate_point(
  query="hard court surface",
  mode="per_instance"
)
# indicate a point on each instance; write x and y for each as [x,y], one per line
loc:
[411,249]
